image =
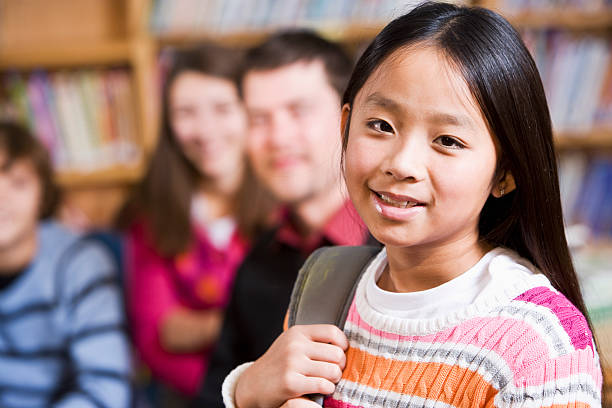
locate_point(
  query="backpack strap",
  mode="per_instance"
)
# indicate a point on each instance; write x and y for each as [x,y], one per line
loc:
[326,284]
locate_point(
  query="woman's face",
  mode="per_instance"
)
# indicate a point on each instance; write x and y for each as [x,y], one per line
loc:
[20,198]
[209,123]
[420,160]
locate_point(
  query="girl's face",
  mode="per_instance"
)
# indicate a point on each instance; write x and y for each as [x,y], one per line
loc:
[20,198]
[420,160]
[209,123]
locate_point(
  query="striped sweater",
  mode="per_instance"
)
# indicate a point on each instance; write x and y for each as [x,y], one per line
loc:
[519,343]
[498,335]
[62,328]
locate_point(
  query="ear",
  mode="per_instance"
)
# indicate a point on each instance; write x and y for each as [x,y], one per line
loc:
[505,185]
[344,119]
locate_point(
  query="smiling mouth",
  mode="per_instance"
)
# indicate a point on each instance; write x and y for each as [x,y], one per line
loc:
[395,202]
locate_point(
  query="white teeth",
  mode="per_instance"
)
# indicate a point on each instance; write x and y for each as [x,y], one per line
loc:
[401,204]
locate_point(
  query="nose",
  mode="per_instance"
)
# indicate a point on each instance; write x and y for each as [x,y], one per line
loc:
[282,131]
[406,160]
[205,126]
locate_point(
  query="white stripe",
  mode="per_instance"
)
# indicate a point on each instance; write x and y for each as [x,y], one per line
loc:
[485,362]
[557,391]
[543,321]
[363,395]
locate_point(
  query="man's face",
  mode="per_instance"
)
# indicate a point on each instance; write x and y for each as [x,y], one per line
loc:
[294,138]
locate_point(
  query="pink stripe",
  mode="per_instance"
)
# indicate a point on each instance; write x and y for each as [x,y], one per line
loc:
[520,346]
[334,403]
[573,322]
[565,366]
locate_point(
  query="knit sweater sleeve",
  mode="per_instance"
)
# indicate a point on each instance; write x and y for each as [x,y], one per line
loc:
[570,380]
[565,374]
[94,327]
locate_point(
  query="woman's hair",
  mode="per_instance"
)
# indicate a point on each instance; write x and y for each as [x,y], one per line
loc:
[17,143]
[505,83]
[163,198]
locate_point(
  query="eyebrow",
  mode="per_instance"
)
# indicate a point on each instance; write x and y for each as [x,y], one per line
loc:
[439,118]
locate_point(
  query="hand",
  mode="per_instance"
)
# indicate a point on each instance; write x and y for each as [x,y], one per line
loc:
[188,331]
[303,360]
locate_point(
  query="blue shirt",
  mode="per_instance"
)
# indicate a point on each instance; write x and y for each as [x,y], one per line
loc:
[62,328]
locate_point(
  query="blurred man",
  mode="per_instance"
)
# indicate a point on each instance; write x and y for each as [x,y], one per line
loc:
[292,86]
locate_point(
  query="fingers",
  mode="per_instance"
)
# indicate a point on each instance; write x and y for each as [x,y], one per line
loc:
[294,385]
[317,385]
[327,352]
[328,371]
[325,333]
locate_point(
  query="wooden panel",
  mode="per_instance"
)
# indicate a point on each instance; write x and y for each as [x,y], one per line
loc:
[65,55]
[594,139]
[116,175]
[42,22]
[92,207]
[570,18]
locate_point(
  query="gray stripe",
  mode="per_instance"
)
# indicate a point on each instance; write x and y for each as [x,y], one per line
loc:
[543,320]
[555,390]
[408,351]
[388,399]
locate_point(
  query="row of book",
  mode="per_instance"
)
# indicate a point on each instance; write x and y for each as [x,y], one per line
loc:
[577,76]
[229,16]
[86,118]
[586,192]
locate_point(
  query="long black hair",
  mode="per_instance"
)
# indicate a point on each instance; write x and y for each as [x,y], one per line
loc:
[505,83]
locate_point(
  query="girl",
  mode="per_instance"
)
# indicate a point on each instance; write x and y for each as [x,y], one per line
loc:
[189,223]
[62,337]
[449,160]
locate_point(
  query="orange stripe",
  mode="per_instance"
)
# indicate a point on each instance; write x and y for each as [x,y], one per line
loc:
[450,384]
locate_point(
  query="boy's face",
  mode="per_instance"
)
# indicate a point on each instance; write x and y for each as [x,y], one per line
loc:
[294,139]
[20,198]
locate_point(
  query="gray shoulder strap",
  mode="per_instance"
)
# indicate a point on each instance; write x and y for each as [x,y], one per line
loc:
[326,284]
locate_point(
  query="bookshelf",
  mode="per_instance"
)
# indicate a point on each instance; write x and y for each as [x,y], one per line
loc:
[81,44]
[69,38]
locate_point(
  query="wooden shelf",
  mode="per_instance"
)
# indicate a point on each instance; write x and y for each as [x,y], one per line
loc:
[66,55]
[119,174]
[569,18]
[594,139]
[179,39]
[347,34]
[565,19]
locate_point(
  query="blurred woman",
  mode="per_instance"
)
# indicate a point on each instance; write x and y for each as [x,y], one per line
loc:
[188,224]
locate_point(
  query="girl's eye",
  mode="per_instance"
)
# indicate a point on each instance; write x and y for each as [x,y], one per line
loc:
[380,126]
[450,142]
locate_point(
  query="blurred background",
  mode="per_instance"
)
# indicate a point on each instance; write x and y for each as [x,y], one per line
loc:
[85,76]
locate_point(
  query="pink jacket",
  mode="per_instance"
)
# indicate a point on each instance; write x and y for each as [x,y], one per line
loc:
[200,279]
